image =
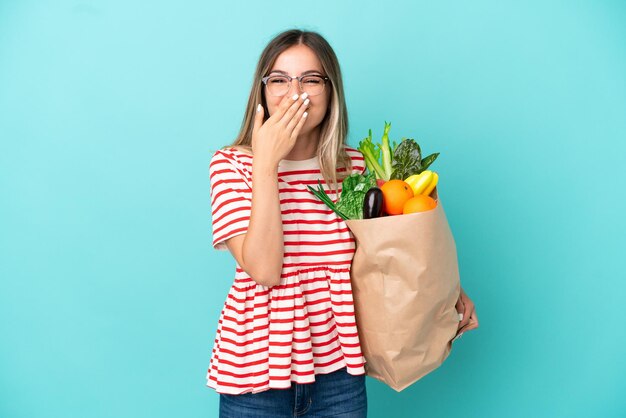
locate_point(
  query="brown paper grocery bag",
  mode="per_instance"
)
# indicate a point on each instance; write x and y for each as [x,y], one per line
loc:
[405,282]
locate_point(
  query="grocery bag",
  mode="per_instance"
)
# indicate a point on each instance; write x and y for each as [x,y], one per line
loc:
[405,283]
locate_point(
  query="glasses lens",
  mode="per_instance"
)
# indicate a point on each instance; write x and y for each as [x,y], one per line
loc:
[313,85]
[278,85]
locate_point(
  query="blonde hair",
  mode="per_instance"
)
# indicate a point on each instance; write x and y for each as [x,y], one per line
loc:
[331,153]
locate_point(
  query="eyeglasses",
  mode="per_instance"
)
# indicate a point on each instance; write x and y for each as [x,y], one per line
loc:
[279,85]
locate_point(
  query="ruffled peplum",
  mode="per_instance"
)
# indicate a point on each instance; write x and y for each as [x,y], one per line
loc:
[270,337]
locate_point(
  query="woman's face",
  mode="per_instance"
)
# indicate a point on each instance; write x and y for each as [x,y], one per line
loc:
[294,61]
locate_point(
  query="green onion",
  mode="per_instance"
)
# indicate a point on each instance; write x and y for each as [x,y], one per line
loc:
[321,194]
[386,150]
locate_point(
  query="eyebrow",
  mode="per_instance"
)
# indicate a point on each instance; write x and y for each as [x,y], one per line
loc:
[306,72]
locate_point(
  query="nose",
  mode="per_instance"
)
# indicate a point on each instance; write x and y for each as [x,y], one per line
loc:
[297,88]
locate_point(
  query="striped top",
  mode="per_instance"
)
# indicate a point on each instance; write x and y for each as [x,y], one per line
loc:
[268,337]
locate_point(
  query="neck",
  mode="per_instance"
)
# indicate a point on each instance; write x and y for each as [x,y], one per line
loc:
[306,146]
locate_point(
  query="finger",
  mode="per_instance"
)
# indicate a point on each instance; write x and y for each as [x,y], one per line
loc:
[472,324]
[286,102]
[258,119]
[467,314]
[290,113]
[473,321]
[467,328]
[460,308]
[299,126]
[460,332]
[464,320]
[298,117]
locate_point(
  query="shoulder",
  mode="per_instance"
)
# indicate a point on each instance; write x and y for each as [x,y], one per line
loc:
[354,153]
[231,162]
[233,156]
[351,150]
[358,161]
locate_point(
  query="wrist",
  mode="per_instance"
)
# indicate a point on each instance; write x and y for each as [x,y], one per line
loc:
[264,167]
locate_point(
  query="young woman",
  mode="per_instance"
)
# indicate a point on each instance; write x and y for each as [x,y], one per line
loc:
[287,342]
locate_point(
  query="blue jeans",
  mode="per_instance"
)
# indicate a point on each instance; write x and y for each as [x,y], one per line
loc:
[337,394]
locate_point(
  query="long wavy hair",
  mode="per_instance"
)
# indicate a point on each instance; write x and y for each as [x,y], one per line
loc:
[331,153]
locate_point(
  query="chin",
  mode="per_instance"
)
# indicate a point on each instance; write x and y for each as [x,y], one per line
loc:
[310,125]
[305,130]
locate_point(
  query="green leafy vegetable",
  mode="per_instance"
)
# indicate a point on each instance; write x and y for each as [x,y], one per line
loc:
[393,148]
[427,161]
[407,160]
[399,161]
[353,189]
[386,151]
[371,153]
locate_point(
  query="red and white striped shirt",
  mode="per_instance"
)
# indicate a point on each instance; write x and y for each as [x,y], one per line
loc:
[268,337]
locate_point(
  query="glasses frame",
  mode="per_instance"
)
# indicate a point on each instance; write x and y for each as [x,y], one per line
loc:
[325,78]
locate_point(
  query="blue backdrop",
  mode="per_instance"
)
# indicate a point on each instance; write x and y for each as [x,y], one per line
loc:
[110,290]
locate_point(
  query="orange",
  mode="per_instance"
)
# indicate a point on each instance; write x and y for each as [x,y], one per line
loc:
[395,193]
[419,203]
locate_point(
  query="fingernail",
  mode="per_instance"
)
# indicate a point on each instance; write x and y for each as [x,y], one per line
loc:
[304,96]
[306,102]
[295,97]
[304,115]
[460,317]
[258,108]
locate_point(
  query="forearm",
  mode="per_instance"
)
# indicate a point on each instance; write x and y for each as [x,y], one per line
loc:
[263,247]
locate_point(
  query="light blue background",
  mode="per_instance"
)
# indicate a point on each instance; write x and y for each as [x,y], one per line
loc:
[110,110]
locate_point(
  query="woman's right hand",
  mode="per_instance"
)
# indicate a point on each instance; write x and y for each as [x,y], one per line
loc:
[274,139]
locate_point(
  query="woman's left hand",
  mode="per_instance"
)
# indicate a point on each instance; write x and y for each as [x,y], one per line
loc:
[467,312]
